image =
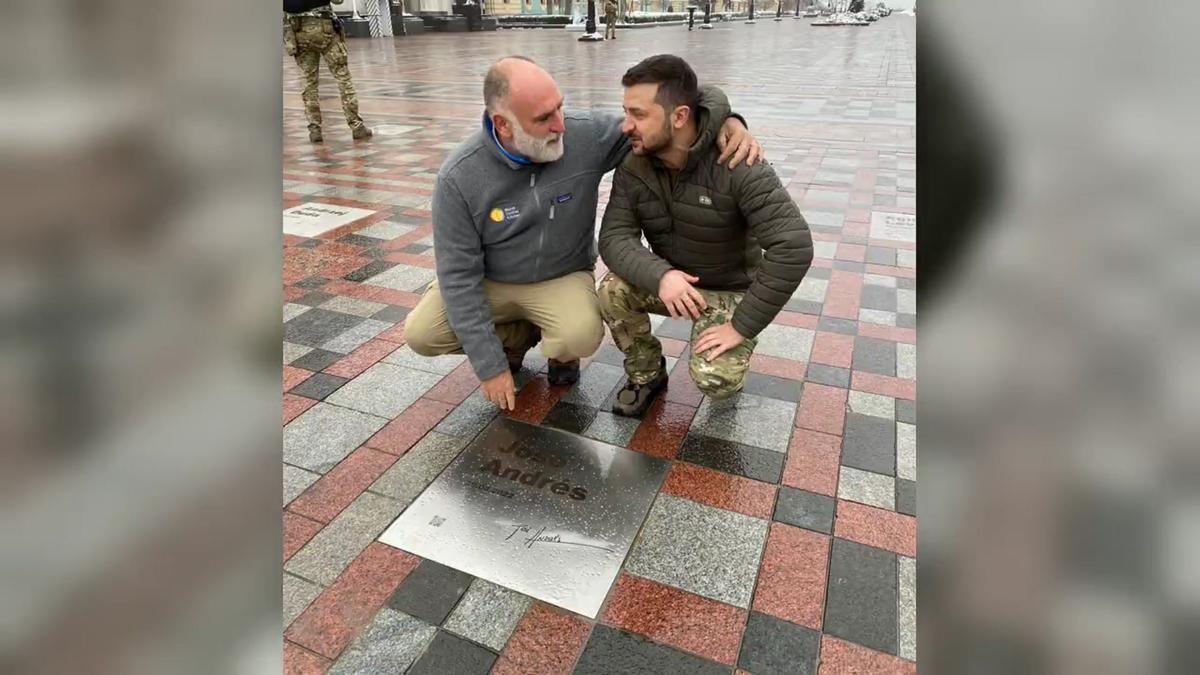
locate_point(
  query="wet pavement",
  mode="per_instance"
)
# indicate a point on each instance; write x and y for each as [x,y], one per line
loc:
[783,537]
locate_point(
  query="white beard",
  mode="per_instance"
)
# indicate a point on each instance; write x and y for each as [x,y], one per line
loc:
[540,150]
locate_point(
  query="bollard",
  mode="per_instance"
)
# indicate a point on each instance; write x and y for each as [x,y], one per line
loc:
[707,25]
[691,16]
[589,28]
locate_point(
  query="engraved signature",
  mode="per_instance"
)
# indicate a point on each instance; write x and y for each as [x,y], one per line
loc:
[540,536]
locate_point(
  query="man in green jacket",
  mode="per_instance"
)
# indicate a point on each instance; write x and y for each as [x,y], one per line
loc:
[727,248]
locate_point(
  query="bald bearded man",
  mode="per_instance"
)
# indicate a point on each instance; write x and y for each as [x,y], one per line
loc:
[514,213]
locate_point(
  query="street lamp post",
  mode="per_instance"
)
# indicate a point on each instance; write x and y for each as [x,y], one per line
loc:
[589,28]
[707,25]
[779,10]
[751,19]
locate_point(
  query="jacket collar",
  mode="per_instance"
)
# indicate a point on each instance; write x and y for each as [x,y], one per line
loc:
[513,160]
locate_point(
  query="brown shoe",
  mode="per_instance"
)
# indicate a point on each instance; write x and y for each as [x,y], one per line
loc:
[634,399]
[314,136]
[362,131]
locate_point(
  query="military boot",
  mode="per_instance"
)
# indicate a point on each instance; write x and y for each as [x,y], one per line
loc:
[361,131]
[634,399]
[562,372]
[314,135]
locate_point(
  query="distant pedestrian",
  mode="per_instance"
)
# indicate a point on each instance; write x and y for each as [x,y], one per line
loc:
[610,19]
[310,31]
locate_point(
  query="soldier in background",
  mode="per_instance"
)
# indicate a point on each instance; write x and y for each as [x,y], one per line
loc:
[610,19]
[311,30]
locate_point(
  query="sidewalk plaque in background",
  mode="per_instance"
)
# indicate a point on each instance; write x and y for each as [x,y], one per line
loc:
[893,226]
[314,218]
[541,511]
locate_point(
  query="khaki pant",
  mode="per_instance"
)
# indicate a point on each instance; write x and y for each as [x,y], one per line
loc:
[564,310]
[627,308]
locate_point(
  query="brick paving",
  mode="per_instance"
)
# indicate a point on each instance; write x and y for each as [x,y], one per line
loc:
[808,514]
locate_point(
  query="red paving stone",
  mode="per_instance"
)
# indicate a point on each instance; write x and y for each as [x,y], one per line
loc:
[340,613]
[906,335]
[851,252]
[673,347]
[293,376]
[663,429]
[822,408]
[535,400]
[294,406]
[546,642]
[839,657]
[843,295]
[356,362]
[397,436]
[334,491]
[297,530]
[681,389]
[455,387]
[895,532]
[773,365]
[291,293]
[677,618]
[883,385]
[300,661]
[833,349]
[812,462]
[720,489]
[796,319]
[793,574]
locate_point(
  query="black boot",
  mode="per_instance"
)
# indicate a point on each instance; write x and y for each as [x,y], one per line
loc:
[562,372]
[634,399]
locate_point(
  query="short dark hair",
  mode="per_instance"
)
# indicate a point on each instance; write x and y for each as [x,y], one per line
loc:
[495,83]
[677,84]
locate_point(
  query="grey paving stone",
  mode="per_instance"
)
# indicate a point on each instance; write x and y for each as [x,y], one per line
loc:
[906,258]
[318,386]
[391,644]
[609,354]
[786,342]
[488,614]
[906,451]
[595,384]
[817,273]
[611,651]
[906,283]
[356,336]
[824,249]
[700,549]
[318,326]
[906,301]
[906,320]
[675,328]
[873,355]
[386,230]
[317,360]
[879,297]
[313,283]
[324,434]
[881,255]
[827,218]
[906,360]
[804,509]
[369,270]
[441,365]
[360,240]
[849,266]
[612,429]
[416,249]
[878,317]
[569,417]
[384,389]
[355,306]
[811,288]
[329,552]
[291,352]
[297,595]
[770,386]
[804,307]
[906,411]
[430,592]
[830,375]
[731,457]
[835,325]
[469,418]
[451,654]
[747,419]
[865,487]
[392,314]
[906,496]
[313,298]
[874,405]
[295,481]
[870,443]
[879,280]
[906,610]
[404,278]
[417,468]
[311,243]
[292,310]
[772,646]
[862,601]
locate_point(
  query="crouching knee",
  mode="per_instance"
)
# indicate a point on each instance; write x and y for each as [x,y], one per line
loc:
[717,384]
[579,340]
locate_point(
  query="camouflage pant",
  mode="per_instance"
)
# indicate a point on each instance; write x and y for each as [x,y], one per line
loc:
[314,38]
[626,309]
[610,25]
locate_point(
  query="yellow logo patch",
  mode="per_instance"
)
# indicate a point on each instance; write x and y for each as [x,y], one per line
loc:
[496,215]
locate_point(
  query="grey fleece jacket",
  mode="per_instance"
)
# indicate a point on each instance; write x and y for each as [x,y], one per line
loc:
[497,218]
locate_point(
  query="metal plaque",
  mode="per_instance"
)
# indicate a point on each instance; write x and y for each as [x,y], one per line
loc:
[537,510]
[314,218]
[893,226]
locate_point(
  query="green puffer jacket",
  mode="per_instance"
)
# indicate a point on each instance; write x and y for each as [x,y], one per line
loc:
[737,230]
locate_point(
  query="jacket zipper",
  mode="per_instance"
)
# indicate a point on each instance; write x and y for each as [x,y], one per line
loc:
[537,266]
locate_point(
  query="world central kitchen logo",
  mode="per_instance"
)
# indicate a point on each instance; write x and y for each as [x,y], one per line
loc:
[535,478]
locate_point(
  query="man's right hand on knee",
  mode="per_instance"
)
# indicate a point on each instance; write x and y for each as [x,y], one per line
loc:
[501,390]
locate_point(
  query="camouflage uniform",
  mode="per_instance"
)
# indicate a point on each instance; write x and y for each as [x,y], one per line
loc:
[308,37]
[610,19]
[626,309]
